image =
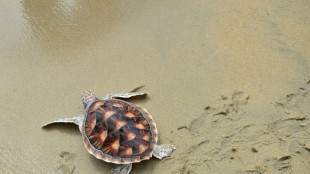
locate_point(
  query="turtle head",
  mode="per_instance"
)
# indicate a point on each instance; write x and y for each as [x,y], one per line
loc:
[88,97]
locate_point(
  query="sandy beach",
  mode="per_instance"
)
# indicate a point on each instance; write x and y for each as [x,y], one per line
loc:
[228,82]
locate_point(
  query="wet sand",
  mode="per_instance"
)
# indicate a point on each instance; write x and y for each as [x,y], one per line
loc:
[228,82]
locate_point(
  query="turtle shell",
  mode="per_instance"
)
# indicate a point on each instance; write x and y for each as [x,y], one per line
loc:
[119,132]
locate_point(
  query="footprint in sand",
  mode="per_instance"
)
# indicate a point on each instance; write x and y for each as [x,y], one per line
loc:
[66,166]
[283,163]
[222,137]
[296,113]
[211,141]
[296,103]
[229,108]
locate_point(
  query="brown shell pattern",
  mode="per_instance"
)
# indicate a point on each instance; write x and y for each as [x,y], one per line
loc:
[119,132]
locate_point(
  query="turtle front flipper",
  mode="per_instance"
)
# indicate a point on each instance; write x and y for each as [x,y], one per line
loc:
[123,95]
[77,119]
[122,169]
[163,150]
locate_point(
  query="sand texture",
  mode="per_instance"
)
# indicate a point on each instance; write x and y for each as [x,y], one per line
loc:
[228,82]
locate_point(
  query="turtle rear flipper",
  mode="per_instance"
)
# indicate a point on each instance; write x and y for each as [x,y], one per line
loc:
[122,169]
[163,150]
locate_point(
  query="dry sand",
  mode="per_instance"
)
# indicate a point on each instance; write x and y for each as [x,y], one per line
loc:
[228,81]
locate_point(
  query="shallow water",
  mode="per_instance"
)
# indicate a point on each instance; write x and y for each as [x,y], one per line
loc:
[247,62]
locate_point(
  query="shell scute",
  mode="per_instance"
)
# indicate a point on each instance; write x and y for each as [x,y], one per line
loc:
[147,154]
[98,154]
[90,123]
[99,135]
[106,157]
[144,135]
[127,134]
[116,160]
[103,113]
[116,122]
[125,150]
[111,144]
[126,160]
[139,123]
[140,146]
[130,111]
[135,159]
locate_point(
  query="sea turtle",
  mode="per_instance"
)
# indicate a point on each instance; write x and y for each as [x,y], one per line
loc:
[117,131]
